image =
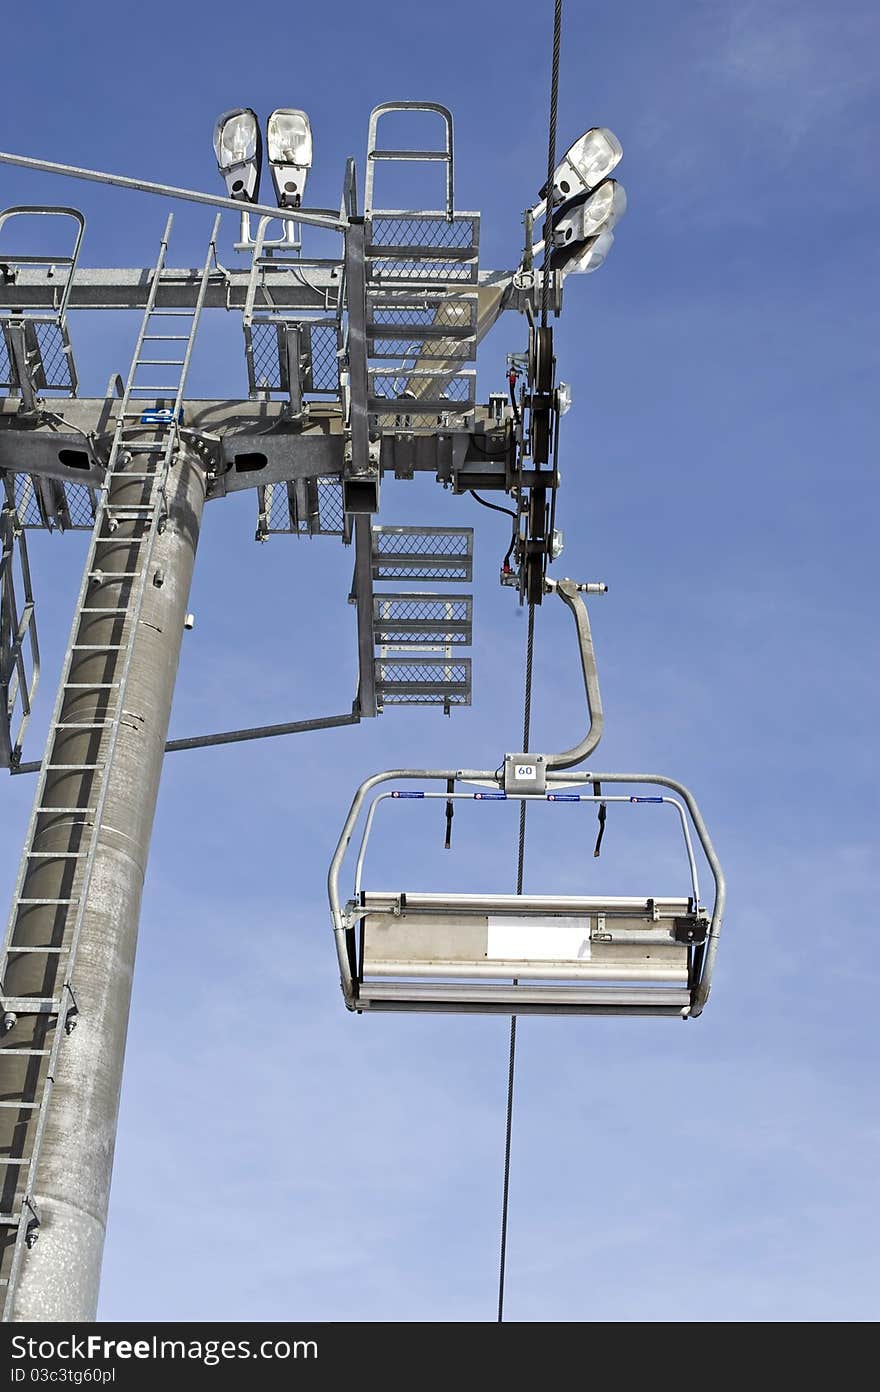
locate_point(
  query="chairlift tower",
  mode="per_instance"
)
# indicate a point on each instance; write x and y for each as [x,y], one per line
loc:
[360,371]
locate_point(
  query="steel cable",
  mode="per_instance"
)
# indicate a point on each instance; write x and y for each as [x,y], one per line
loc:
[551,158]
[530,652]
[511,1065]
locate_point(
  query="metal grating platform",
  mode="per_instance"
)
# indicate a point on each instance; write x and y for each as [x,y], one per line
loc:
[422,392]
[423,553]
[423,681]
[391,232]
[423,620]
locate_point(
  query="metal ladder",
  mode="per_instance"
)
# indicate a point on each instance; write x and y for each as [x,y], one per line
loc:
[144,461]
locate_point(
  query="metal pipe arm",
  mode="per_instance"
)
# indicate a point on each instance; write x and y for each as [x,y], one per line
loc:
[568,593]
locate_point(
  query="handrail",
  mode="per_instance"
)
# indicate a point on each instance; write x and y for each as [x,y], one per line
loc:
[70,260]
[373,154]
[317,217]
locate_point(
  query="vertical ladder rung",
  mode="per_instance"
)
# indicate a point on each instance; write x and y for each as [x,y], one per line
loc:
[13,948]
[47,901]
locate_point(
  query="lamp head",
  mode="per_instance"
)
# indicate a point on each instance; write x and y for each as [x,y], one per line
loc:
[238,146]
[289,147]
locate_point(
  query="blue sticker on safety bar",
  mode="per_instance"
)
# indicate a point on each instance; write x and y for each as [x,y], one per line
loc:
[483,797]
[650,799]
[398,794]
[563,797]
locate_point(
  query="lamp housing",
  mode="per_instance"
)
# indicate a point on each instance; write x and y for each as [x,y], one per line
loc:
[238,146]
[588,214]
[289,149]
[584,257]
[585,164]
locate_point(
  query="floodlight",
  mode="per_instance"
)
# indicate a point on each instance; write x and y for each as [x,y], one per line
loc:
[289,147]
[238,146]
[585,164]
[584,257]
[589,214]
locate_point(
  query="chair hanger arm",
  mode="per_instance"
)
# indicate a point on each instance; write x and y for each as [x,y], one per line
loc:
[568,592]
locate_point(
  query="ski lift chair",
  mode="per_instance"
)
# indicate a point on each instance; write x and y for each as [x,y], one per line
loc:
[517,954]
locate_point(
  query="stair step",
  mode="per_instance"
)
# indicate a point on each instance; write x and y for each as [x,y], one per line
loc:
[86,811]
[160,362]
[165,338]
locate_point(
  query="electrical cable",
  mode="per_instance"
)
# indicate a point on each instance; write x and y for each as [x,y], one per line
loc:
[511,1065]
[508,512]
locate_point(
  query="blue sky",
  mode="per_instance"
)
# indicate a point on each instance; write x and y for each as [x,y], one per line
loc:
[280,1159]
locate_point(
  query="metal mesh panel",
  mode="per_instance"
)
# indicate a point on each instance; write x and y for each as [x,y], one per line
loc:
[440,233]
[330,500]
[26,502]
[278,512]
[325,362]
[422,554]
[421,271]
[267,364]
[5,366]
[439,620]
[442,349]
[56,362]
[268,344]
[72,507]
[403,315]
[79,503]
[424,682]
[413,390]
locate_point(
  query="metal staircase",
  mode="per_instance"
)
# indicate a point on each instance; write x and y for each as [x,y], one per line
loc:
[38,962]
[417,634]
[421,294]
